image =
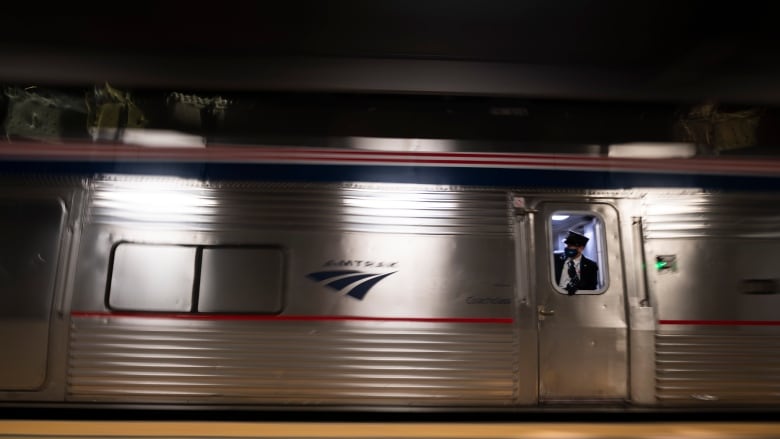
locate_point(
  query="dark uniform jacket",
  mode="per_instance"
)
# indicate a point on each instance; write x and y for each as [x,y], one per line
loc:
[588,272]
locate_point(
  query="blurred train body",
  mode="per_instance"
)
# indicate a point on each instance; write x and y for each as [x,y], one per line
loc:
[314,278]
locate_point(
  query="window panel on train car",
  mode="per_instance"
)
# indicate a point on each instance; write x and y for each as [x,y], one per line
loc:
[578,253]
[241,280]
[152,277]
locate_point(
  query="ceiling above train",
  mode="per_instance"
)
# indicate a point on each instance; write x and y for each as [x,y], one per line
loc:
[488,75]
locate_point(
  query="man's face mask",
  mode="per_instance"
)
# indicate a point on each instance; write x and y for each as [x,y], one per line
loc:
[570,252]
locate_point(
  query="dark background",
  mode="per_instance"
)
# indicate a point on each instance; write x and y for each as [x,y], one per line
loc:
[519,71]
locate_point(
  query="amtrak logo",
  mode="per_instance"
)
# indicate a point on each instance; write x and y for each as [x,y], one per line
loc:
[353,283]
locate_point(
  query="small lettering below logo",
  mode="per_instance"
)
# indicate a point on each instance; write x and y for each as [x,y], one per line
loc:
[353,283]
[473,300]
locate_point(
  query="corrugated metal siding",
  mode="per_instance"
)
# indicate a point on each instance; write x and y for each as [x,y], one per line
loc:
[161,360]
[718,368]
[696,216]
[375,208]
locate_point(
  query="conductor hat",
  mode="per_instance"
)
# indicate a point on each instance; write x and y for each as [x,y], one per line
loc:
[574,238]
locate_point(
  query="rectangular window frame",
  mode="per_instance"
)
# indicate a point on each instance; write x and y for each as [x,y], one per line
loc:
[194,291]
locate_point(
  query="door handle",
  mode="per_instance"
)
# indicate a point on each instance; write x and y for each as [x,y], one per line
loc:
[546,312]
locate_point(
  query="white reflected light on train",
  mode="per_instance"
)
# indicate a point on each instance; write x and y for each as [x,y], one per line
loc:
[161,200]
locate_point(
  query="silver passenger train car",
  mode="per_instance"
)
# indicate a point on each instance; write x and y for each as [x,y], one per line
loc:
[316,278]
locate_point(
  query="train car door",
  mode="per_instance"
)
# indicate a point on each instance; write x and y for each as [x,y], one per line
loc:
[30,233]
[583,339]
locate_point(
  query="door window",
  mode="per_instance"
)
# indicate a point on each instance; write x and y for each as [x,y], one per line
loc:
[579,262]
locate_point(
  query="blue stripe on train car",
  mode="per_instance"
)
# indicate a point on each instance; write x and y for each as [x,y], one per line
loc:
[467,176]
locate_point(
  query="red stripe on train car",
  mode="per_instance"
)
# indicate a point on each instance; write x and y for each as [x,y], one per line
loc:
[324,156]
[259,317]
[721,322]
